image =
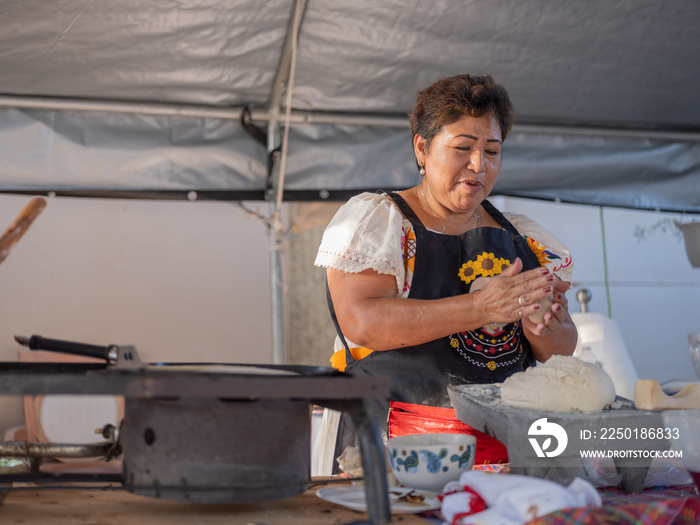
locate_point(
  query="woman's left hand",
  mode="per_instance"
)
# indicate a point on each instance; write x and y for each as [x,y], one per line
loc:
[555,317]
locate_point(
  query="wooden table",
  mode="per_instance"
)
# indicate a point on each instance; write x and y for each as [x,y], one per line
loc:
[83,505]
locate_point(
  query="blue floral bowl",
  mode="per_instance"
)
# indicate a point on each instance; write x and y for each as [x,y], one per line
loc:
[428,461]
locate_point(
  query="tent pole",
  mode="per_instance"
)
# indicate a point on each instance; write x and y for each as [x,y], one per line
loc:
[284,79]
[331,118]
[276,243]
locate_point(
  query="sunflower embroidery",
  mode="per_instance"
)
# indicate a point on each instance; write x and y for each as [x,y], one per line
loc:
[486,265]
[499,265]
[467,272]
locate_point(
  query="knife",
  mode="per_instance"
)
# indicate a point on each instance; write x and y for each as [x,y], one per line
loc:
[36,342]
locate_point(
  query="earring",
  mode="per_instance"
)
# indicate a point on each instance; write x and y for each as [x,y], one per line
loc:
[421,170]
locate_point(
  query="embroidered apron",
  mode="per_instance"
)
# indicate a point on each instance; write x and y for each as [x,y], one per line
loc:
[445,266]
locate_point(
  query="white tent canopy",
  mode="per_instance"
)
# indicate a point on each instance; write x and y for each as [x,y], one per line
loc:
[144,99]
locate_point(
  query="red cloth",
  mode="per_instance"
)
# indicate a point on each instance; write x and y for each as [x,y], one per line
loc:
[408,418]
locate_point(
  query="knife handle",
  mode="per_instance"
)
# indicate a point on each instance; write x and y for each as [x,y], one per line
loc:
[36,342]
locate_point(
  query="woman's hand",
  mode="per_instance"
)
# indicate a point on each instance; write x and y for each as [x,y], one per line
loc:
[557,315]
[557,333]
[514,294]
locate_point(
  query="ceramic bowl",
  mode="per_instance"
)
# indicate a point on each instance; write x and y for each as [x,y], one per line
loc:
[428,461]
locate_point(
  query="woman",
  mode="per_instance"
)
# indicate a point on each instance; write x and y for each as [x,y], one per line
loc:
[433,286]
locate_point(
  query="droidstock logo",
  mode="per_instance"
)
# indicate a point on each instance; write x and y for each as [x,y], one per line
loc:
[541,428]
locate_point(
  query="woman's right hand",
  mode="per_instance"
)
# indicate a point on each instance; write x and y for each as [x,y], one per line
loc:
[514,293]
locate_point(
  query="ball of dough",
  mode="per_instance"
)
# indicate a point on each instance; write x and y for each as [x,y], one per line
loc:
[562,383]
[546,304]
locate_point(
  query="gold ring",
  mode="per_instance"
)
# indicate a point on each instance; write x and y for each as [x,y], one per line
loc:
[521,301]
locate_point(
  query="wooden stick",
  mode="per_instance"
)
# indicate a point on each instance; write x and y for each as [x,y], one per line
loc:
[20,225]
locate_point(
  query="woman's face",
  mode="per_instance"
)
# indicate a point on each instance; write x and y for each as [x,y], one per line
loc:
[463,162]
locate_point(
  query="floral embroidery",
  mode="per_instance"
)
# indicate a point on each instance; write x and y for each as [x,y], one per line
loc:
[467,272]
[544,255]
[547,257]
[408,247]
[486,265]
[410,250]
[493,346]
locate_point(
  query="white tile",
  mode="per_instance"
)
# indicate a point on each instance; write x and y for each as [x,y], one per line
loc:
[654,322]
[657,256]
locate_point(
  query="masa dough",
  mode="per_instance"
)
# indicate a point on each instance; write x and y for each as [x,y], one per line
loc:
[563,383]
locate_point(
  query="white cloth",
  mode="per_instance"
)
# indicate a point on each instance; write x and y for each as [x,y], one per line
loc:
[512,499]
[323,447]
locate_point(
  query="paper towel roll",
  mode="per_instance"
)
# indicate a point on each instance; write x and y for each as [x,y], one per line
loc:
[600,341]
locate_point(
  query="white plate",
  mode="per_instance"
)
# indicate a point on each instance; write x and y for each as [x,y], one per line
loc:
[353,497]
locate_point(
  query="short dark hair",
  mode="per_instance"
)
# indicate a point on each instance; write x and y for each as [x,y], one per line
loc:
[450,98]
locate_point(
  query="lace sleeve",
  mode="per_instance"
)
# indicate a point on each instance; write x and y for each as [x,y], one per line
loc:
[365,233]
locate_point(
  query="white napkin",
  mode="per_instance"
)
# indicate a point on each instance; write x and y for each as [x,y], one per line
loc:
[510,499]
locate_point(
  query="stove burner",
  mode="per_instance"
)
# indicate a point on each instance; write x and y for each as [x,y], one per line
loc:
[206,437]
